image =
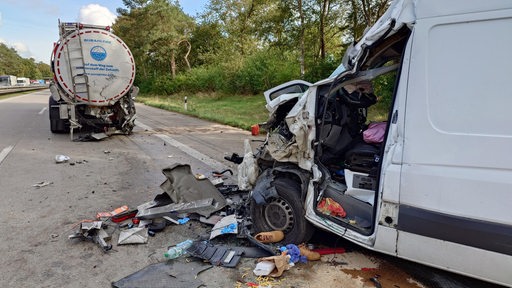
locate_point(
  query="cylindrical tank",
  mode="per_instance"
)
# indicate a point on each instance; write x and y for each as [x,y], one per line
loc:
[93,66]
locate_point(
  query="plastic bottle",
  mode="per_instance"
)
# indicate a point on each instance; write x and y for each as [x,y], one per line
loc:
[178,250]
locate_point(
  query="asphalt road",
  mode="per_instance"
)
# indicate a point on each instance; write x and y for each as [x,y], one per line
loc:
[126,170]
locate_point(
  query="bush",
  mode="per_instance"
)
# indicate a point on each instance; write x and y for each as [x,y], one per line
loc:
[321,69]
[250,75]
[264,70]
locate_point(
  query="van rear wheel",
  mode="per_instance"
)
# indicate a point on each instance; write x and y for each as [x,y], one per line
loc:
[285,213]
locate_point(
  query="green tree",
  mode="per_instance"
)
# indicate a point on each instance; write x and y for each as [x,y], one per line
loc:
[13,64]
[154,31]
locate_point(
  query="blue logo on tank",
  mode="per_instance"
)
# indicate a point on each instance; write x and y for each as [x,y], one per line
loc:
[98,53]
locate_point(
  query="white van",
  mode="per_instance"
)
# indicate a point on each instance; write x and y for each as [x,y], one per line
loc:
[434,183]
[22,81]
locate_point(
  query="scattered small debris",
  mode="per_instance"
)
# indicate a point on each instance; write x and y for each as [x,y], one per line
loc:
[61,159]
[42,184]
[178,274]
[137,235]
[106,215]
[99,136]
[227,225]
[216,255]
[375,281]
[93,231]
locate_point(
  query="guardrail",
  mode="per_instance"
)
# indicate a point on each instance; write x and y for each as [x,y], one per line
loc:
[15,89]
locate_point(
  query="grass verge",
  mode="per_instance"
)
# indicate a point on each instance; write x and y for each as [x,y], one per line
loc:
[234,110]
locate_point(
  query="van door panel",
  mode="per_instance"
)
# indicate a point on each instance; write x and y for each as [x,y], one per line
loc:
[457,171]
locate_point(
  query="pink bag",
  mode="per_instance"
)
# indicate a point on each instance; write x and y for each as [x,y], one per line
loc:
[375,132]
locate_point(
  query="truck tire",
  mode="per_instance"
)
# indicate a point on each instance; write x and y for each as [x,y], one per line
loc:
[284,213]
[57,125]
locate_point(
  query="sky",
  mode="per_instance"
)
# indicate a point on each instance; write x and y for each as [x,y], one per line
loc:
[31,26]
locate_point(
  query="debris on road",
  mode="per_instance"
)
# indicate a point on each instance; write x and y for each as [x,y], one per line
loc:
[177,274]
[215,254]
[178,250]
[227,225]
[61,159]
[42,184]
[105,215]
[182,187]
[186,198]
[137,235]
[93,231]
[281,263]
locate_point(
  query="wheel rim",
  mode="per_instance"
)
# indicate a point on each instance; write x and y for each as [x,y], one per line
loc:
[279,215]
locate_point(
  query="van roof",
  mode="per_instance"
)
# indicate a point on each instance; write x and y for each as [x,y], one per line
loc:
[435,8]
[406,12]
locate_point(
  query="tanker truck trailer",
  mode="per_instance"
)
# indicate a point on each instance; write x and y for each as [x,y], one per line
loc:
[92,90]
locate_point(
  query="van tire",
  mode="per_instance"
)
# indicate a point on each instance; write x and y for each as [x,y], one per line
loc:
[285,212]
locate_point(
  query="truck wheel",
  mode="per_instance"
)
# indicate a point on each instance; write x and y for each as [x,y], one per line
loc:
[57,125]
[285,213]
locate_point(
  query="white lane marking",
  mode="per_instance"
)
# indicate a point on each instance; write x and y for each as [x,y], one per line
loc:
[143,126]
[5,152]
[42,110]
[188,150]
[194,153]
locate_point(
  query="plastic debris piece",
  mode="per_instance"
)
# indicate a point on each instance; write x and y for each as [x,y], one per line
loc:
[215,254]
[178,250]
[281,262]
[99,136]
[212,220]
[327,251]
[217,181]
[106,215]
[42,184]
[175,274]
[93,231]
[227,225]
[61,159]
[183,187]
[124,216]
[136,235]
[264,268]
[183,220]
[368,269]
[198,206]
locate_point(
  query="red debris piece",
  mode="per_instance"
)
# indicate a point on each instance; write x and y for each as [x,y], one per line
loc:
[368,269]
[327,251]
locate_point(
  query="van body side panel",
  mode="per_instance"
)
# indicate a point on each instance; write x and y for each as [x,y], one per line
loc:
[480,234]
[490,266]
[458,137]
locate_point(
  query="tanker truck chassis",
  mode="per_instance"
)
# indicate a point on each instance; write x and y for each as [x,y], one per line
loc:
[92,90]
